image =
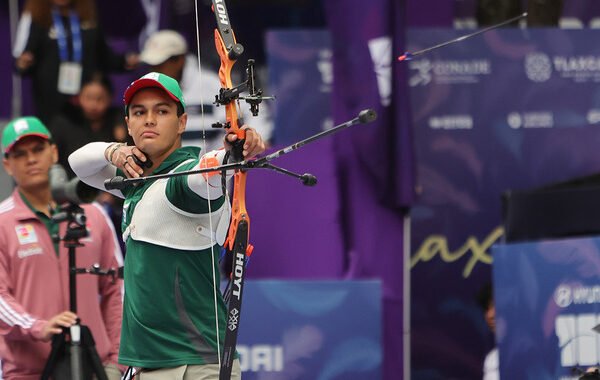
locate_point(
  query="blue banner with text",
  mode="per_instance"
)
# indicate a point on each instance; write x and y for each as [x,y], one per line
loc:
[547,297]
[322,330]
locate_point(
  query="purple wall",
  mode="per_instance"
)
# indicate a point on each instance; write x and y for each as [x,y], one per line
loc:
[295,229]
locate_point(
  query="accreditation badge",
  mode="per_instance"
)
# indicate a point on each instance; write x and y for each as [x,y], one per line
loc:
[69,78]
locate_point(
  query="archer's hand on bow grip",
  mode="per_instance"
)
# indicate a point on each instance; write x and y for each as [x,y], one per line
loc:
[250,145]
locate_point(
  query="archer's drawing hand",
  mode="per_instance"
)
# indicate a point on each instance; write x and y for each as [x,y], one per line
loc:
[127,158]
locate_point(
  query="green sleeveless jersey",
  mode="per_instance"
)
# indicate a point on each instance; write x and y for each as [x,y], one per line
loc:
[169,316]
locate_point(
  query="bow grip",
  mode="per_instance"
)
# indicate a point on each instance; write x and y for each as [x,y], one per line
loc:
[237,150]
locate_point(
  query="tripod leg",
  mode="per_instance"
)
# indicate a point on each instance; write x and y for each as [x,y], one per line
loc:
[90,347]
[58,346]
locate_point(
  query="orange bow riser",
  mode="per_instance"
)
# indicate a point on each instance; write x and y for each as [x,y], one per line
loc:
[229,50]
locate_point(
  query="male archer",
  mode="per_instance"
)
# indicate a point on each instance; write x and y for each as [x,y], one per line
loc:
[172,230]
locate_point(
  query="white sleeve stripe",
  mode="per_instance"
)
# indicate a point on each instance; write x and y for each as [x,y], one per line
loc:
[4,318]
[12,318]
[117,252]
[6,206]
[25,317]
[20,319]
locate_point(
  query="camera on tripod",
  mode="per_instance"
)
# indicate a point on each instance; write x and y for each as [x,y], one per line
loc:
[69,191]
[69,194]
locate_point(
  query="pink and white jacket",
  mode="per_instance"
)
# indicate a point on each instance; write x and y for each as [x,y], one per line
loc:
[34,286]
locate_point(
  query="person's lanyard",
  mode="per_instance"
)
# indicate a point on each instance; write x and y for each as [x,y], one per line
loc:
[61,36]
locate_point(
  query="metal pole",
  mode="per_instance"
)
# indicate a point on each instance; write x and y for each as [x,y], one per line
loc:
[406,297]
[17,90]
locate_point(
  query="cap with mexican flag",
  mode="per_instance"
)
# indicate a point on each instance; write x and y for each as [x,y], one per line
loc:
[157,80]
[22,127]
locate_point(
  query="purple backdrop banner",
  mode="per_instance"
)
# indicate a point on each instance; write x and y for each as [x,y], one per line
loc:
[300,78]
[511,109]
[301,74]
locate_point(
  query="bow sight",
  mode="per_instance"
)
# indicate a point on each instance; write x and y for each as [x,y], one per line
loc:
[254,97]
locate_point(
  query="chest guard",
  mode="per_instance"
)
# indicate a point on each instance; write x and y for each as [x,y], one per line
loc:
[155,220]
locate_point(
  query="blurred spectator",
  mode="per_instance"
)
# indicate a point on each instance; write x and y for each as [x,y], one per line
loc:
[490,12]
[491,365]
[92,118]
[166,52]
[542,13]
[60,45]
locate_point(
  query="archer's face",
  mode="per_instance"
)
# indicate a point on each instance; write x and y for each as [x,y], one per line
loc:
[29,162]
[153,122]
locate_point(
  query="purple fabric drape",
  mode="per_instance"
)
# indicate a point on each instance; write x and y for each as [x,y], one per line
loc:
[375,161]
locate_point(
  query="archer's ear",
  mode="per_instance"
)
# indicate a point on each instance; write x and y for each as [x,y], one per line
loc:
[127,124]
[182,123]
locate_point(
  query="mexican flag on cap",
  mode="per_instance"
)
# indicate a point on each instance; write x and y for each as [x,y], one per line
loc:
[156,80]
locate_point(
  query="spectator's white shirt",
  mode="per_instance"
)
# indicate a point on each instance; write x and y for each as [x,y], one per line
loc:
[491,366]
[201,89]
[22,36]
